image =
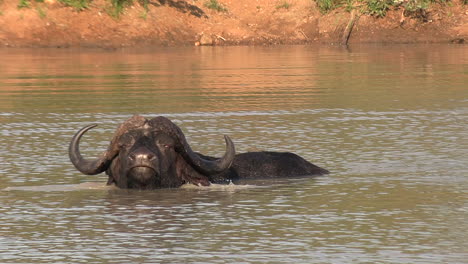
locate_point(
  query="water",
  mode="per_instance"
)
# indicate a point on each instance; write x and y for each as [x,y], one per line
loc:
[389,122]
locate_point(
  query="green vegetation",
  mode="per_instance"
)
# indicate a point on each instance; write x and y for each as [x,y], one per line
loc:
[145,4]
[118,6]
[41,12]
[115,9]
[284,5]
[144,14]
[24,4]
[377,8]
[326,6]
[215,5]
[77,4]
[413,5]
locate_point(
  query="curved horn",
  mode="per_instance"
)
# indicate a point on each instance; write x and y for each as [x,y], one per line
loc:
[212,166]
[89,167]
[203,165]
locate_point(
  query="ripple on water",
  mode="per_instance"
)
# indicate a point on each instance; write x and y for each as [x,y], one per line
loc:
[389,123]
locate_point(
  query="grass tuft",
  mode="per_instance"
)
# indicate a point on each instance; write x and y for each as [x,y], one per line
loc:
[41,12]
[215,5]
[283,5]
[378,8]
[326,6]
[24,4]
[77,4]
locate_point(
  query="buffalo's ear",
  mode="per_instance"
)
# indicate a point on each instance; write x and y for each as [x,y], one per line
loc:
[187,173]
[115,175]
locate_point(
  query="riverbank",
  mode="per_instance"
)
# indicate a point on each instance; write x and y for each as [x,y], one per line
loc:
[261,22]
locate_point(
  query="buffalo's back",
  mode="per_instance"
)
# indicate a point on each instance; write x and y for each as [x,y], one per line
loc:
[273,164]
[258,165]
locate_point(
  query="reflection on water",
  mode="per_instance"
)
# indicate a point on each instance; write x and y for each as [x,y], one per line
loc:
[389,123]
[62,187]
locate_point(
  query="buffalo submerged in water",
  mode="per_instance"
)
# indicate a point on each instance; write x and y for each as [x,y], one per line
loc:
[151,154]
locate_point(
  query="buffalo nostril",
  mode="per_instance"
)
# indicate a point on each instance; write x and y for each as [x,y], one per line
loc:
[141,154]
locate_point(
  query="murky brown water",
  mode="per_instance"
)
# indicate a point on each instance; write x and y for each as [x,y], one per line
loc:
[389,122]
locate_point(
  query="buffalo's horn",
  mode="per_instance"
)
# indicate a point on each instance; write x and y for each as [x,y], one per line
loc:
[89,167]
[211,166]
[203,165]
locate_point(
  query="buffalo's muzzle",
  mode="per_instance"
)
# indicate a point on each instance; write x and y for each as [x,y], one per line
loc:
[141,173]
[142,155]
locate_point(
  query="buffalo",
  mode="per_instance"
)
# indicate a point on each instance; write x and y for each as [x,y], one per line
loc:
[152,154]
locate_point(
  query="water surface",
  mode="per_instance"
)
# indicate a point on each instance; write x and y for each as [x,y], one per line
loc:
[389,122]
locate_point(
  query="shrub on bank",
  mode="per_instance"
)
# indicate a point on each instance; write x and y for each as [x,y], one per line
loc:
[377,8]
[116,7]
[77,4]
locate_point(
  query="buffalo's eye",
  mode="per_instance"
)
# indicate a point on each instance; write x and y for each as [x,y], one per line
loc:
[164,146]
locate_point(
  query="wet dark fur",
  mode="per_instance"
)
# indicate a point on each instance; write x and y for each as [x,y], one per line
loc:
[151,154]
[258,165]
[250,165]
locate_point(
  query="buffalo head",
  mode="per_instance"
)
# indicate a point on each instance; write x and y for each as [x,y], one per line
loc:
[149,154]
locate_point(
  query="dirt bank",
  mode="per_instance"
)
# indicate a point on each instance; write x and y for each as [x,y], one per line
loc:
[259,22]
